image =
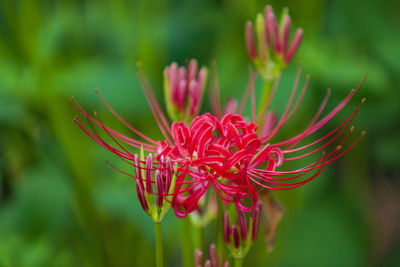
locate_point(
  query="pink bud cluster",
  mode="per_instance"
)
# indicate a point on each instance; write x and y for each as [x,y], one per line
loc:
[272,39]
[184,89]
[212,262]
[239,237]
[152,178]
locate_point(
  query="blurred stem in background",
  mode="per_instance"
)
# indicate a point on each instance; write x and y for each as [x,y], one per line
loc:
[219,231]
[266,90]
[238,262]
[198,237]
[187,242]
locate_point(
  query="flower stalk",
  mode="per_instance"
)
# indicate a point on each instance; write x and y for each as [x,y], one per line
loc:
[238,262]
[159,244]
[187,242]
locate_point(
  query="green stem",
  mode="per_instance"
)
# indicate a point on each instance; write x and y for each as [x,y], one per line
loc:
[159,245]
[187,246]
[265,93]
[219,230]
[238,262]
[198,237]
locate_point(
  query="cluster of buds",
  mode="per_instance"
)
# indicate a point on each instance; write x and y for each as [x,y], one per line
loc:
[274,52]
[183,90]
[212,262]
[239,238]
[155,184]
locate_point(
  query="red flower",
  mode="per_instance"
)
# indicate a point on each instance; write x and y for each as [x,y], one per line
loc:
[228,153]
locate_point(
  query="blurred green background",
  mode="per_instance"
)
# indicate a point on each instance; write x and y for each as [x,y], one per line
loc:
[61,205]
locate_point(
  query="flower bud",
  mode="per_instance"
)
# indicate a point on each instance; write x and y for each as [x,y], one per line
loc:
[160,189]
[274,51]
[168,176]
[213,255]
[250,40]
[140,193]
[138,171]
[236,238]
[242,224]
[198,258]
[149,166]
[256,216]
[159,172]
[244,233]
[227,229]
[183,89]
[294,46]
[212,262]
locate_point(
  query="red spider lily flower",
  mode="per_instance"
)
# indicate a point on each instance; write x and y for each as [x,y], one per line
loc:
[238,238]
[183,90]
[213,152]
[228,152]
[274,50]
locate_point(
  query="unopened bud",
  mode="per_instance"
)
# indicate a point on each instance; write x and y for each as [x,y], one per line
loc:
[227,229]
[213,255]
[183,89]
[138,170]
[285,32]
[250,40]
[294,46]
[168,176]
[256,217]
[160,189]
[242,224]
[149,167]
[236,238]
[198,258]
[142,199]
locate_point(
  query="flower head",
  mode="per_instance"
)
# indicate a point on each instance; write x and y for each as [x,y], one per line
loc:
[230,153]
